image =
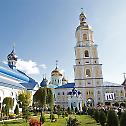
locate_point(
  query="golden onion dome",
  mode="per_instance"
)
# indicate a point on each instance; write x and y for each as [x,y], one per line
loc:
[56,72]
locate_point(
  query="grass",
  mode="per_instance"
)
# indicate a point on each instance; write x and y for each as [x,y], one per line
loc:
[84,119]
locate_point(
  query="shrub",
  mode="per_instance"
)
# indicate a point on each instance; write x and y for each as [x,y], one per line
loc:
[112,119]
[90,111]
[123,119]
[12,116]
[52,117]
[68,110]
[34,122]
[96,115]
[66,114]
[72,122]
[102,118]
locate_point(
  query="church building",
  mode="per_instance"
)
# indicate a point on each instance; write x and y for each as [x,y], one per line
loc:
[14,81]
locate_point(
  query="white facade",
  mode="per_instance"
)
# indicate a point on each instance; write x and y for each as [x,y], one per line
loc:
[88,70]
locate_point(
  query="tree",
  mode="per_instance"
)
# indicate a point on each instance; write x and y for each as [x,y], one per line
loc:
[123,119]
[8,102]
[16,111]
[43,97]
[96,115]
[68,110]
[102,118]
[112,119]
[25,100]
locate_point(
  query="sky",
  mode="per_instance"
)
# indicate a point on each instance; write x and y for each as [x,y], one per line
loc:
[43,31]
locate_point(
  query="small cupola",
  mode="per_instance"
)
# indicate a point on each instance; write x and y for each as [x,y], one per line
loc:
[12,59]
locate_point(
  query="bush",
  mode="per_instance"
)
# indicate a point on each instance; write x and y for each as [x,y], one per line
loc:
[52,117]
[73,122]
[12,116]
[102,118]
[34,122]
[66,114]
[68,110]
[112,119]
[96,115]
[123,119]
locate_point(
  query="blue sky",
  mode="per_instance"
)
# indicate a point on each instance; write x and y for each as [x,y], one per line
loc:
[44,31]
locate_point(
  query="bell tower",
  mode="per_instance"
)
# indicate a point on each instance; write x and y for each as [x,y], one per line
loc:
[87,69]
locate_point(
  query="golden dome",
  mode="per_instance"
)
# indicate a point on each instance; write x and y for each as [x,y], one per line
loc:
[56,72]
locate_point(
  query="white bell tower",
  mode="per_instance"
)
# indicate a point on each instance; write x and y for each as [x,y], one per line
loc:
[87,71]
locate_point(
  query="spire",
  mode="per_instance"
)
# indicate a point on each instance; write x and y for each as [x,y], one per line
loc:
[56,64]
[13,47]
[82,17]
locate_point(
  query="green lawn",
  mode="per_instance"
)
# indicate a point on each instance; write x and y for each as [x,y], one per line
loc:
[84,119]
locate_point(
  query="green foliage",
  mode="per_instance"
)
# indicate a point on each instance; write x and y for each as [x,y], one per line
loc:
[68,110]
[123,119]
[43,119]
[96,115]
[3,110]
[102,118]
[16,111]
[8,102]
[112,119]
[90,111]
[52,117]
[72,122]
[25,100]
[43,97]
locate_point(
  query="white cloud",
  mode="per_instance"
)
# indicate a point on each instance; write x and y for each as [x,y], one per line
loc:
[29,67]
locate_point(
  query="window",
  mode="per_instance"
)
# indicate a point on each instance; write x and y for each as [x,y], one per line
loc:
[87,62]
[86,53]
[88,73]
[63,93]
[89,83]
[79,62]
[84,37]
[98,92]
[58,93]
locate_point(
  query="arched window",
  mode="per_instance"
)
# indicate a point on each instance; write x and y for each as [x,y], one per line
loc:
[84,37]
[98,92]
[63,93]
[88,73]
[86,53]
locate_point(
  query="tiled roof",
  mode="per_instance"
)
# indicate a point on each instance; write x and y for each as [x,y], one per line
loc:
[68,85]
[29,86]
